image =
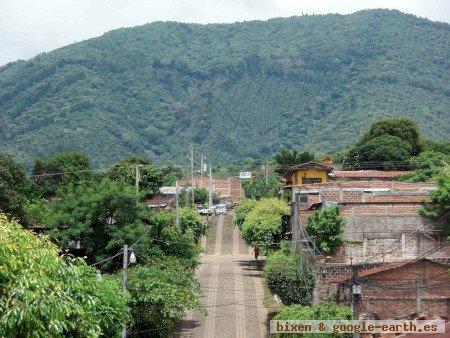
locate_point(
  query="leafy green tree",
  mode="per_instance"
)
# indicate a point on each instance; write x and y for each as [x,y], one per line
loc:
[438,146]
[242,210]
[265,223]
[13,188]
[190,219]
[256,188]
[428,164]
[384,152]
[171,172]
[44,294]
[322,311]
[60,170]
[200,197]
[287,276]
[401,127]
[439,208]
[388,145]
[151,178]
[287,158]
[326,226]
[160,296]
[103,216]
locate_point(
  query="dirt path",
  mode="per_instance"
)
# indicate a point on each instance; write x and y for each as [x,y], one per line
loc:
[232,288]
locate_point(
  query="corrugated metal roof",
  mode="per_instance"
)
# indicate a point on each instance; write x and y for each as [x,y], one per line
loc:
[368,173]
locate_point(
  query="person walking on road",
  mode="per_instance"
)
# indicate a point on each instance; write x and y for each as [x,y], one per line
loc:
[256,250]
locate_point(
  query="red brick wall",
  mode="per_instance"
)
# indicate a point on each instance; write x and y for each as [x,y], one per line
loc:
[386,302]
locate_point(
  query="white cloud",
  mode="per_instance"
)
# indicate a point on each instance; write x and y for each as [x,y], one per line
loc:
[28,27]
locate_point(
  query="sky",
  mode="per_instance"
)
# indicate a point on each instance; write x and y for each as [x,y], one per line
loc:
[29,27]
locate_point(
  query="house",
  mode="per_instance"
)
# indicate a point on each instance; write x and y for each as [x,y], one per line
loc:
[225,188]
[305,173]
[165,199]
[399,289]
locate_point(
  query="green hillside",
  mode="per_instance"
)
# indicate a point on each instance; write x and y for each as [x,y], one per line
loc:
[235,90]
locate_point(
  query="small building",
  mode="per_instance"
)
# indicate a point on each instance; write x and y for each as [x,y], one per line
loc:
[399,289]
[306,173]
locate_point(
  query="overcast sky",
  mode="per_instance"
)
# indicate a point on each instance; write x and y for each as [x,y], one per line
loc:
[29,27]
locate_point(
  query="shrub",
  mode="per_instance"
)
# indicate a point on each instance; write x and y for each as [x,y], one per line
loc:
[45,295]
[265,223]
[161,295]
[323,311]
[242,209]
[326,226]
[287,276]
[190,219]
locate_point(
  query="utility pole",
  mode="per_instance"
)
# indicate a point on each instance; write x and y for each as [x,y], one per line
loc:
[137,179]
[266,173]
[124,279]
[177,205]
[356,292]
[201,168]
[295,222]
[229,188]
[419,295]
[210,187]
[192,174]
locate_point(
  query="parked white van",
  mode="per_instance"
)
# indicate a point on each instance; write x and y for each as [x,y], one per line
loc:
[220,209]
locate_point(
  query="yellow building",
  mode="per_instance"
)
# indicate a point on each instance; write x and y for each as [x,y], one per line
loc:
[306,173]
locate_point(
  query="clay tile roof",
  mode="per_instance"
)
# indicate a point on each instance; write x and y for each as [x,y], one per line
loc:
[368,173]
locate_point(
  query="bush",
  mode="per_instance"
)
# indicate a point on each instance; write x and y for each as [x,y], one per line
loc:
[323,311]
[287,276]
[161,295]
[326,226]
[190,219]
[265,223]
[45,295]
[242,209]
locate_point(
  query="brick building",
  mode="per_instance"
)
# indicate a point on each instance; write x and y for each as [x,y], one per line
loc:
[399,289]
[225,188]
[382,219]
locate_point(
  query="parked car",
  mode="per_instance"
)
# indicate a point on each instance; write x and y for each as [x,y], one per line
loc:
[205,211]
[220,209]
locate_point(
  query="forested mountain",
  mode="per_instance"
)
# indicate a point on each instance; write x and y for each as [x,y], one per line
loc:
[235,90]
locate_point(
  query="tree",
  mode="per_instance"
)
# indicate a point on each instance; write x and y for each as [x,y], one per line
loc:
[439,208]
[60,170]
[388,145]
[287,276]
[256,188]
[161,295]
[322,311]
[103,216]
[242,210]
[384,152]
[287,158]
[428,164]
[265,223]
[151,178]
[13,188]
[326,226]
[190,219]
[44,294]
[171,173]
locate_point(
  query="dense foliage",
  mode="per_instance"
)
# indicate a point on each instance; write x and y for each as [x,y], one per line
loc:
[260,187]
[43,294]
[239,90]
[322,311]
[13,188]
[242,209]
[161,295]
[287,158]
[427,166]
[389,144]
[286,276]
[326,226]
[439,208]
[59,170]
[265,224]
[149,177]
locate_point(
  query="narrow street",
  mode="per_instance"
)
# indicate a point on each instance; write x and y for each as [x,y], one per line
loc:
[232,287]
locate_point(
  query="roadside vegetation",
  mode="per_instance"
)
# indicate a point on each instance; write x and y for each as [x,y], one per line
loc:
[85,213]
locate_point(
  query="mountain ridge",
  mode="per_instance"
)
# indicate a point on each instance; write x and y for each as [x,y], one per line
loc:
[235,90]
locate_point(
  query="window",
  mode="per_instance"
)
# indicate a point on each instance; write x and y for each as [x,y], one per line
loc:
[303,198]
[307,180]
